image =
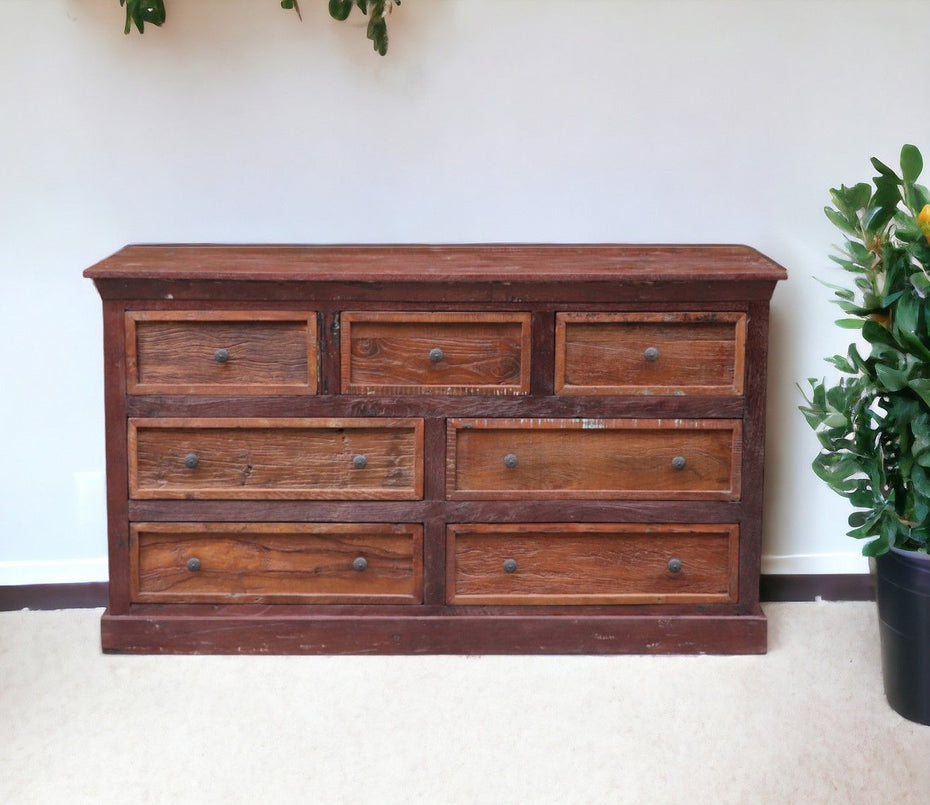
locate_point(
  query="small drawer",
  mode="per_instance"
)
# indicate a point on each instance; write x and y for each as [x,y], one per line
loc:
[230,352]
[592,459]
[650,353]
[276,459]
[591,563]
[435,353]
[278,563]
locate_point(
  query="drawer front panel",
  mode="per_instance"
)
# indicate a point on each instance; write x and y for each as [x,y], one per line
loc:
[321,459]
[496,459]
[435,353]
[650,353]
[234,352]
[600,563]
[276,563]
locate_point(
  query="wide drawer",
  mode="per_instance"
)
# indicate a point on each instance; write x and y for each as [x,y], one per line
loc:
[322,459]
[650,353]
[229,352]
[276,563]
[435,353]
[592,563]
[496,459]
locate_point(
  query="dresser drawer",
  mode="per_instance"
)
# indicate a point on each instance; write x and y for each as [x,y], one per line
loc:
[323,459]
[594,563]
[497,459]
[276,563]
[228,352]
[650,353]
[435,353]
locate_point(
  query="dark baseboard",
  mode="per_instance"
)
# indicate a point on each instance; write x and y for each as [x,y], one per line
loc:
[53,596]
[801,587]
[826,586]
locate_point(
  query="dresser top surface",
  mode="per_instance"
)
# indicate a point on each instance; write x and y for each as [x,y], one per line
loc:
[513,263]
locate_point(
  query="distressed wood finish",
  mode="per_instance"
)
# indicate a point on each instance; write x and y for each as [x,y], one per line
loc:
[276,563]
[602,459]
[650,353]
[326,433]
[435,353]
[262,352]
[584,564]
[339,459]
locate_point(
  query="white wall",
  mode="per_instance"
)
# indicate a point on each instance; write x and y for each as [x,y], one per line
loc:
[489,120]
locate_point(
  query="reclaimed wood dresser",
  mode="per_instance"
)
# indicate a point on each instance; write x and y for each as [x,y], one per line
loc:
[435,449]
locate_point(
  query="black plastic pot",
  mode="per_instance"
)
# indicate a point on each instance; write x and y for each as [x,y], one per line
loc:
[903,592]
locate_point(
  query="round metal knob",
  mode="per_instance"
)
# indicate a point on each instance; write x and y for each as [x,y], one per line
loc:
[360,564]
[510,461]
[221,355]
[193,564]
[191,460]
[674,565]
[360,462]
[510,565]
[651,354]
[436,354]
[678,463]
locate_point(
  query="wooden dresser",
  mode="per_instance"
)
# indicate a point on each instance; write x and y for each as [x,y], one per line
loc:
[435,449]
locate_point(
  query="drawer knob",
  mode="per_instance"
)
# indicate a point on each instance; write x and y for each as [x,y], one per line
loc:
[360,564]
[193,564]
[510,461]
[679,463]
[221,355]
[191,460]
[674,565]
[651,354]
[360,462]
[510,565]
[436,354]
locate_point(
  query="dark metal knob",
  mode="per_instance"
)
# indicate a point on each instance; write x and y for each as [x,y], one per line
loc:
[221,355]
[193,564]
[436,354]
[678,463]
[510,565]
[674,565]
[510,461]
[360,564]
[191,460]
[360,462]
[651,354]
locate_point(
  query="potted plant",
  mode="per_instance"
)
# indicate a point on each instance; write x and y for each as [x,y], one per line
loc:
[873,423]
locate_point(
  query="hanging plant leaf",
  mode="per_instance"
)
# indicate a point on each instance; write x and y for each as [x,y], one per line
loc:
[139,12]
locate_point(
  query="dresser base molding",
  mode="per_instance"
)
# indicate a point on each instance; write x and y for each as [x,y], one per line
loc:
[423,634]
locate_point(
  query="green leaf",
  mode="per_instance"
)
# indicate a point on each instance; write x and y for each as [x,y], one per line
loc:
[849,324]
[883,169]
[876,547]
[912,163]
[840,222]
[891,379]
[340,9]
[921,387]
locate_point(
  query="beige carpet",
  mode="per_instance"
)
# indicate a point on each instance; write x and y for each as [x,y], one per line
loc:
[806,723]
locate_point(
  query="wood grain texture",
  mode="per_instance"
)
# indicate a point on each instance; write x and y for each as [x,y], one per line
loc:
[693,353]
[593,459]
[390,353]
[574,563]
[276,563]
[267,352]
[711,632]
[449,264]
[276,459]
